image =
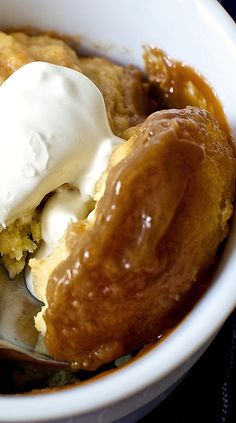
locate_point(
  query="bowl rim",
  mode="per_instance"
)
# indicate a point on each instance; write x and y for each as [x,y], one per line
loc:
[147,369]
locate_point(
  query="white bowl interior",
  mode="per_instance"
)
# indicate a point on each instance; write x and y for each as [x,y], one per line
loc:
[201,34]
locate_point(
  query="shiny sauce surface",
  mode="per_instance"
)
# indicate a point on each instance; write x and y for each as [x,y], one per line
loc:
[181,85]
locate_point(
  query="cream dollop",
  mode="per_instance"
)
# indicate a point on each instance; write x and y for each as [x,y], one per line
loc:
[54,130]
[62,208]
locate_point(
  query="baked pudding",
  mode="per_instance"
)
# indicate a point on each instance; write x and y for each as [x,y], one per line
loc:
[145,237]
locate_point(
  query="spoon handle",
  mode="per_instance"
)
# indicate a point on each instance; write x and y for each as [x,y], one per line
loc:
[14,352]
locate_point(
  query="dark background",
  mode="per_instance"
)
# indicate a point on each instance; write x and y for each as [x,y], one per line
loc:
[230,6]
[208,393]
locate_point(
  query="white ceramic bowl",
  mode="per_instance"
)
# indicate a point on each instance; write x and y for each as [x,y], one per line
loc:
[201,34]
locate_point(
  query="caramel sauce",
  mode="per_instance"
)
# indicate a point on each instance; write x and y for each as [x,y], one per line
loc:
[191,300]
[154,240]
[181,86]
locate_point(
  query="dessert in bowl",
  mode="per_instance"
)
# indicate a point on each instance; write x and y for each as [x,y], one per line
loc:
[186,162]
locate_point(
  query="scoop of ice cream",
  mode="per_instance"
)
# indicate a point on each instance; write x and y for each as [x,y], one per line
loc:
[54,130]
[64,206]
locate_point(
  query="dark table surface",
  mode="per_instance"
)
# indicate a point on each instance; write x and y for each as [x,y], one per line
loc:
[208,393]
[230,6]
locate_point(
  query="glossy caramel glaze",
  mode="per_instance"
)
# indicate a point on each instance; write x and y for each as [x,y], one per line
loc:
[163,214]
[180,85]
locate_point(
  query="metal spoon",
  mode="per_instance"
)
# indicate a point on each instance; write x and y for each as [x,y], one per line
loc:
[18,336]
